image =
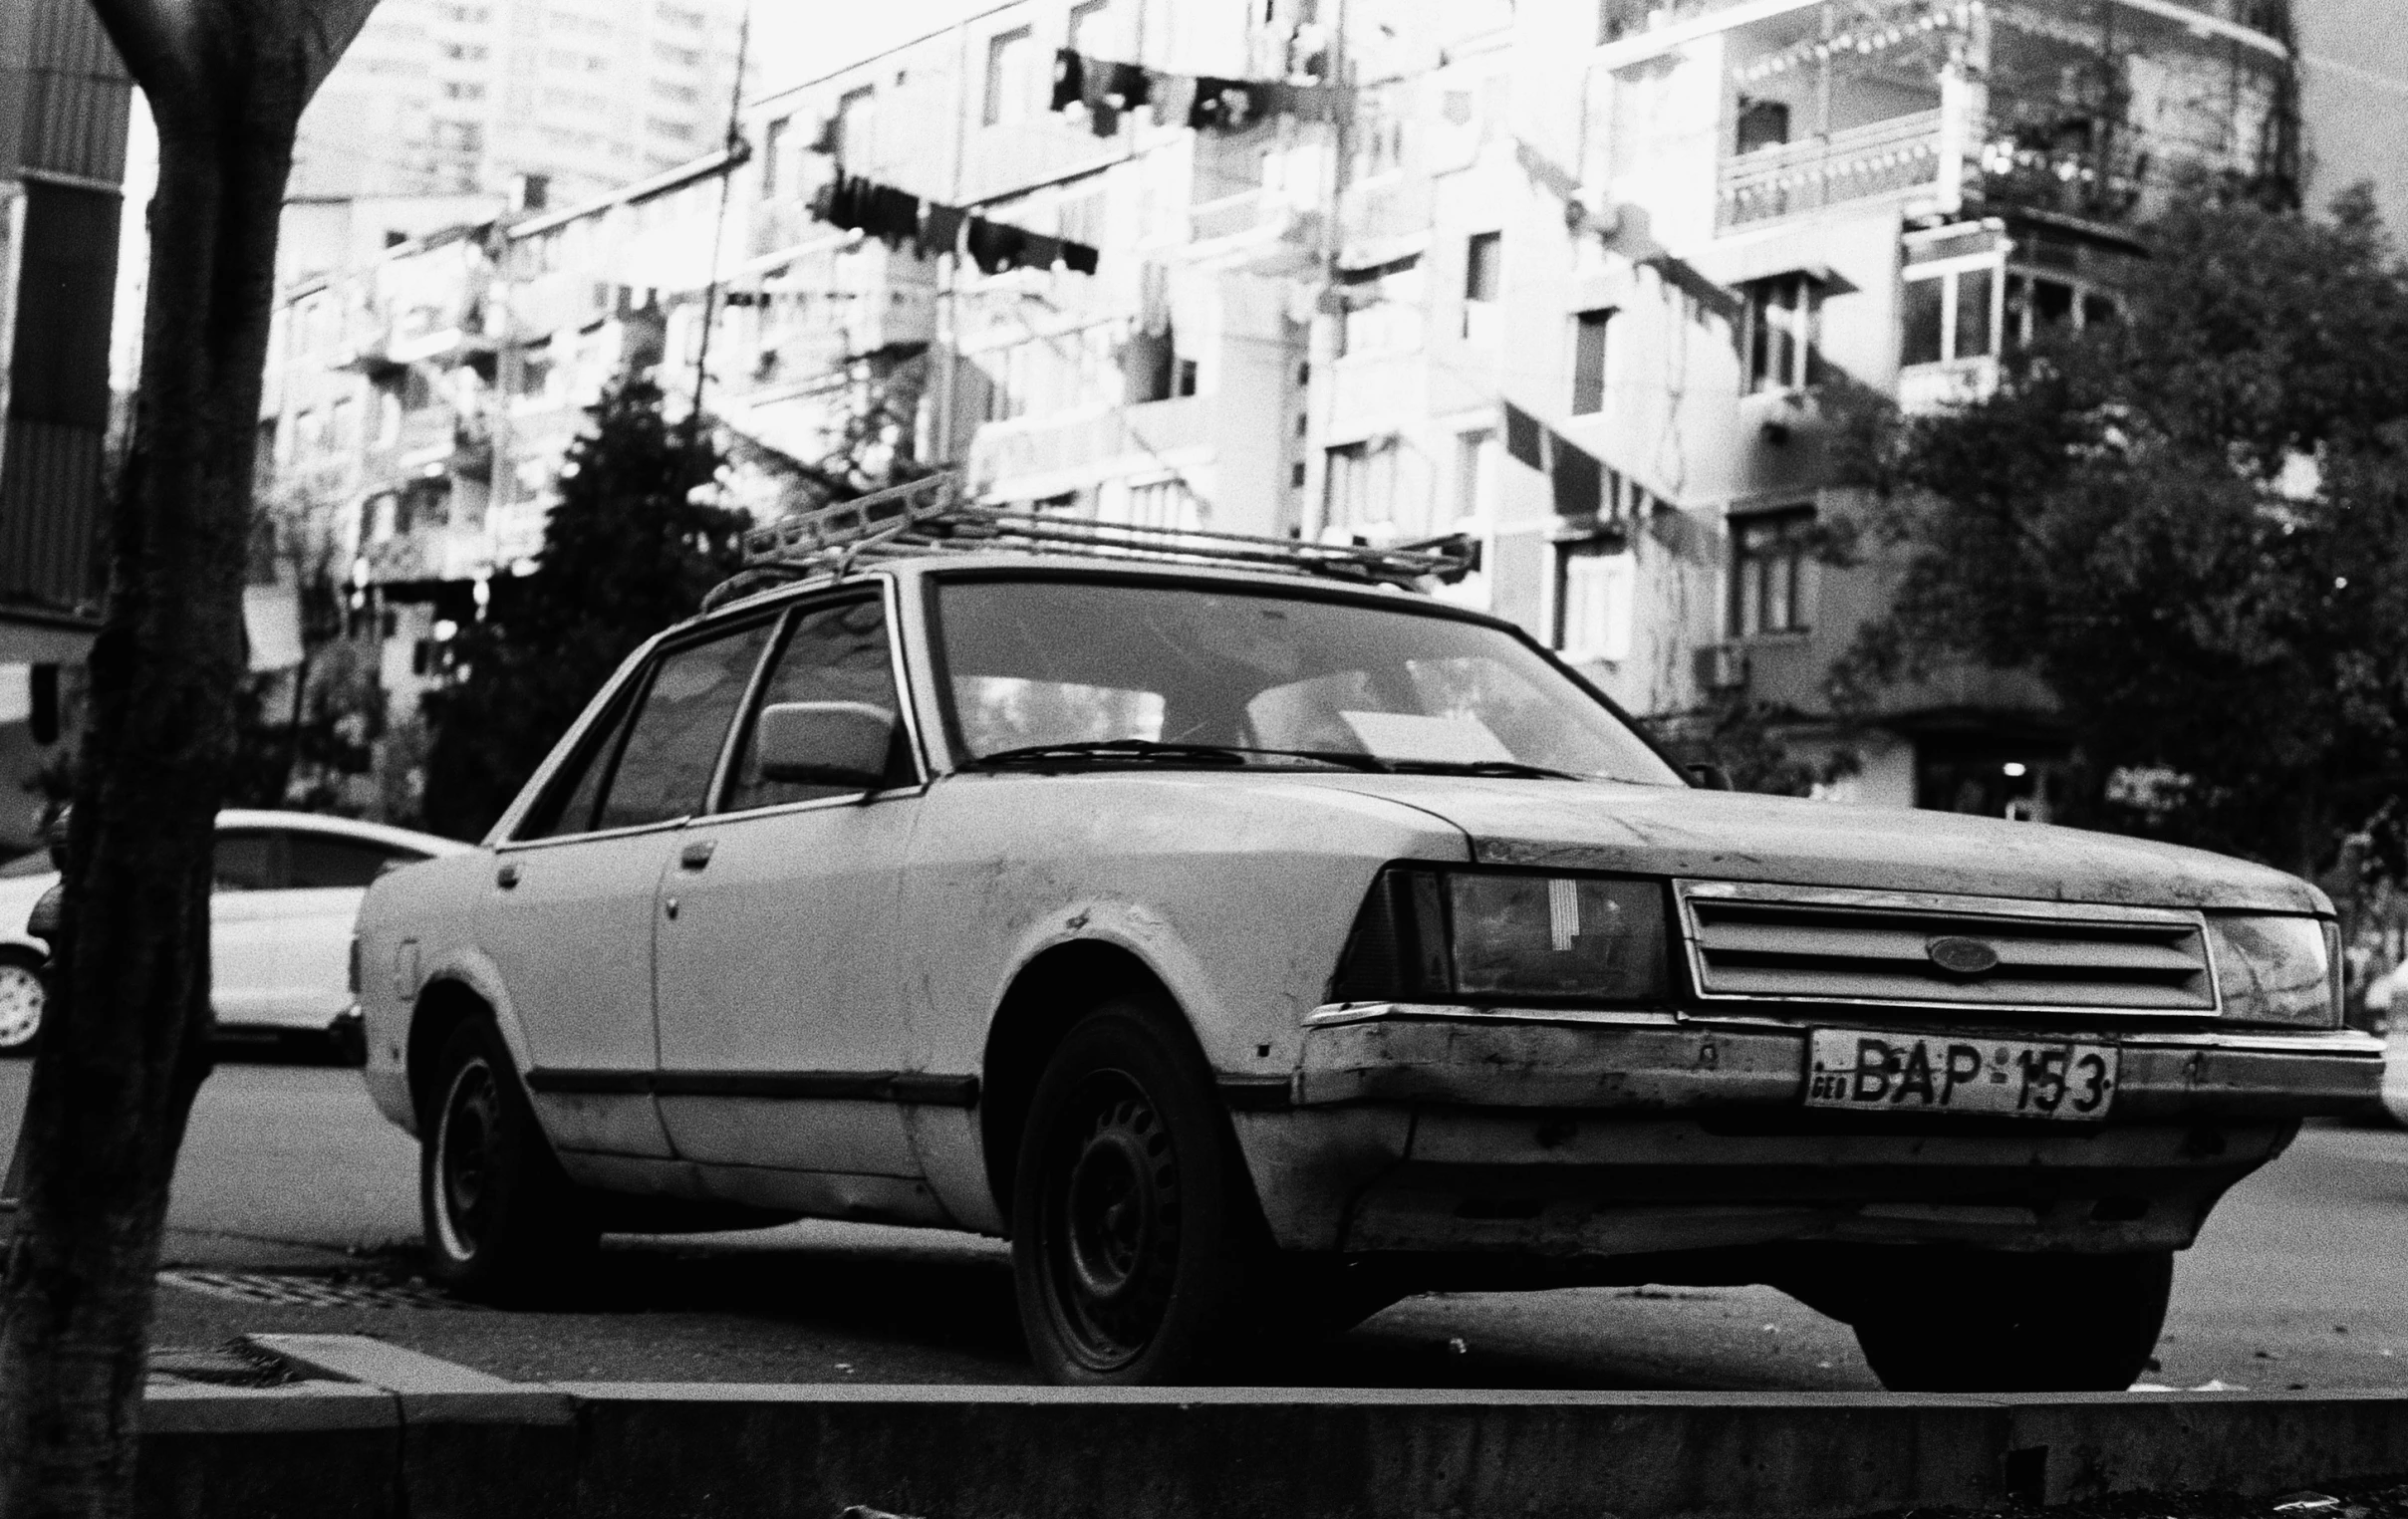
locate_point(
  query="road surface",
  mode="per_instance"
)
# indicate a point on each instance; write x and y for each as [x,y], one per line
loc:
[292,1187]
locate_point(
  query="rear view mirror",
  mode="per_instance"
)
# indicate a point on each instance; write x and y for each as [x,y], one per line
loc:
[825,743]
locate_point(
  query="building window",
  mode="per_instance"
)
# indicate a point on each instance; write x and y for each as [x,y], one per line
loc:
[1483,277]
[1362,485]
[1768,570]
[1474,472]
[1595,583]
[1483,265]
[2037,304]
[1947,316]
[1163,504]
[1011,75]
[773,147]
[1762,123]
[1781,323]
[1092,32]
[1588,362]
[855,119]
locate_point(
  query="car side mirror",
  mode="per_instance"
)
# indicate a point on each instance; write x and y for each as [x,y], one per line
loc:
[825,743]
[1709,777]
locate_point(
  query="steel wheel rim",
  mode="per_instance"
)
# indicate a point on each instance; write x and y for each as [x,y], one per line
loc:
[23,999]
[467,1159]
[1111,1225]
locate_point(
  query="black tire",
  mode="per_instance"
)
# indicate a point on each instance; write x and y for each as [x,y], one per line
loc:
[1995,1322]
[1137,1244]
[24,999]
[503,1223]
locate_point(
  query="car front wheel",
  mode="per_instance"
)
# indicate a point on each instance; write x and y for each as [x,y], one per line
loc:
[502,1221]
[23,996]
[1136,1243]
[1999,1321]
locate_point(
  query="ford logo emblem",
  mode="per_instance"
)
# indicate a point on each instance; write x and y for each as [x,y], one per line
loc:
[1963,957]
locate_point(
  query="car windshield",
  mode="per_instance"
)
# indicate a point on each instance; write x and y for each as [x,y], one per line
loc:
[1132,673]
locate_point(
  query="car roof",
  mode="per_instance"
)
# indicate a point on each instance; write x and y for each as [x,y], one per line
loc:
[353,828]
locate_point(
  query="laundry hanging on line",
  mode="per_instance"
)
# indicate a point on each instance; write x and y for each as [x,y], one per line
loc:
[1106,89]
[1583,485]
[895,217]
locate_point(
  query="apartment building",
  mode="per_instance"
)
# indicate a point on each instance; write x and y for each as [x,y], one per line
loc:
[1694,226]
[576,97]
[65,99]
[1581,279]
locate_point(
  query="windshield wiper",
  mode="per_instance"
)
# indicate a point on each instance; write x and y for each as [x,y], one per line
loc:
[1511,769]
[1110,750]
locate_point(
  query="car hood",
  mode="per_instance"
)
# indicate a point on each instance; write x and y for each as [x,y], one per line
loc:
[1734,836]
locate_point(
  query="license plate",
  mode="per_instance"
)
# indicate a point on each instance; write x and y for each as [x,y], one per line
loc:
[1932,1073]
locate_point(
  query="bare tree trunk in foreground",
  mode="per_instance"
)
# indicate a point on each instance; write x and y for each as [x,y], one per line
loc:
[124,1046]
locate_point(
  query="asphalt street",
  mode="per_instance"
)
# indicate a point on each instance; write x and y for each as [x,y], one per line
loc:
[295,1210]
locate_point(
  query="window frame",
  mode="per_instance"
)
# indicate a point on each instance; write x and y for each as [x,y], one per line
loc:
[1757,328]
[613,717]
[991,106]
[881,589]
[1794,554]
[1586,385]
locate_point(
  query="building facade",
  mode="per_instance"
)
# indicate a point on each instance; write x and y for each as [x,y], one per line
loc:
[65,100]
[570,97]
[1586,281]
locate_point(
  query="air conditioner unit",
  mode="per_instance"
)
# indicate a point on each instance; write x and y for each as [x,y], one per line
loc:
[1722,666]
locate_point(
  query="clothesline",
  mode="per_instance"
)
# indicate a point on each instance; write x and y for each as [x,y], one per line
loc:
[895,217]
[1107,88]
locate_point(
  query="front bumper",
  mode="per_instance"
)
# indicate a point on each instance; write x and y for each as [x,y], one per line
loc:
[1423,1129]
[1650,1062]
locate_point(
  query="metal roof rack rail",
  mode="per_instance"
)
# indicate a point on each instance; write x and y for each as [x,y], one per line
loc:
[931,516]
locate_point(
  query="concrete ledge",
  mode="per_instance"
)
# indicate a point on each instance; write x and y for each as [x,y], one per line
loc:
[660,1451]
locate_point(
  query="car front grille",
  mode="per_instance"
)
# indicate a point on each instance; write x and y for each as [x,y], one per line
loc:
[1913,949]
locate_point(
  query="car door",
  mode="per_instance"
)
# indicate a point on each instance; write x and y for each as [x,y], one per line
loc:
[568,919]
[308,933]
[246,898]
[781,1030]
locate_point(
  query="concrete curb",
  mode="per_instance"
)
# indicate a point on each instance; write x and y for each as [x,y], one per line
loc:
[411,1435]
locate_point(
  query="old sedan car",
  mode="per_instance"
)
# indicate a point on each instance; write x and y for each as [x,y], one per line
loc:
[288,885]
[1253,942]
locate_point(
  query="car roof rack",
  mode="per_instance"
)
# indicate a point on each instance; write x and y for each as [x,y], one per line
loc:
[935,516]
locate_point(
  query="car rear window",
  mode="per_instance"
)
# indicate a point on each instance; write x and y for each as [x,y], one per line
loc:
[319,862]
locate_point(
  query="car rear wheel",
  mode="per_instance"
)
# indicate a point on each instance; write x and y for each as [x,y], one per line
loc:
[502,1219]
[22,997]
[1135,1241]
[1995,1322]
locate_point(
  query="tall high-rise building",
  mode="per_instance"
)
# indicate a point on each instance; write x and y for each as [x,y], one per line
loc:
[572,98]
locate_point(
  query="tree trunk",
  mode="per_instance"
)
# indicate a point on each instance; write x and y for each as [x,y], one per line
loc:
[126,1041]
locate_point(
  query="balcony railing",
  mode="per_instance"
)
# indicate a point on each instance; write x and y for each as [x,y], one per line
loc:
[1875,159]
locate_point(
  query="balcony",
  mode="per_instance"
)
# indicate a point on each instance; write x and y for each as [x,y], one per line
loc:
[1088,439]
[1879,158]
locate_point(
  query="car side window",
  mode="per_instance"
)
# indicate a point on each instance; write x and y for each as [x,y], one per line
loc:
[835,652]
[567,805]
[672,745]
[321,862]
[247,860]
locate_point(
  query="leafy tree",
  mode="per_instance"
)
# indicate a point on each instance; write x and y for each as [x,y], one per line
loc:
[126,1044]
[2193,524]
[625,553]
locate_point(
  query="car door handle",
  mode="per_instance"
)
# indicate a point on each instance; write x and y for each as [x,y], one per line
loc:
[506,876]
[695,855]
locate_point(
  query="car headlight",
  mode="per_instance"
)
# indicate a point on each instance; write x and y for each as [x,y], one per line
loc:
[1500,936]
[2278,971]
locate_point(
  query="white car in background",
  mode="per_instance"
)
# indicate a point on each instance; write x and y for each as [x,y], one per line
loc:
[288,887]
